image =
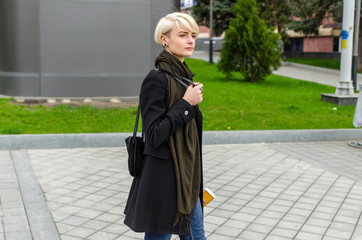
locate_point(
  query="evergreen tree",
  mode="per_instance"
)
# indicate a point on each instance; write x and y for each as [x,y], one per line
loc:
[222,14]
[250,47]
[310,14]
[276,13]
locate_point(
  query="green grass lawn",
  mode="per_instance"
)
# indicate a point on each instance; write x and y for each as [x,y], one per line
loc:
[277,103]
[20,119]
[325,63]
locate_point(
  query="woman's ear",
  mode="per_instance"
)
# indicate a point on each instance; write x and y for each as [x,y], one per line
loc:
[164,40]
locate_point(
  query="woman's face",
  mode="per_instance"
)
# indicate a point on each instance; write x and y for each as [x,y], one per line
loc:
[180,42]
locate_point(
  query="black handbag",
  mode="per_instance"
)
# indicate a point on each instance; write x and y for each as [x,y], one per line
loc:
[135,146]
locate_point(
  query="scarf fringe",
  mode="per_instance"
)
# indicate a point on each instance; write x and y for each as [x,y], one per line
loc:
[179,218]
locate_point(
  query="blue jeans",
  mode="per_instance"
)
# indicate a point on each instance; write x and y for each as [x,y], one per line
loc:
[197,228]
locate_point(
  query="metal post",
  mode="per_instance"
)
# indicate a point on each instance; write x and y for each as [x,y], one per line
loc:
[355,43]
[210,43]
[345,86]
[40,92]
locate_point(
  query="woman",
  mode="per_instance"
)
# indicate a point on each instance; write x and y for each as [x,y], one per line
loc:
[166,198]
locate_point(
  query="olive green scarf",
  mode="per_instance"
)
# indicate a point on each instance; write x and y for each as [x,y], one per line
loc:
[184,142]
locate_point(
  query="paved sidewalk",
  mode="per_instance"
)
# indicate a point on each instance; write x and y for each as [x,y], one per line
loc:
[312,74]
[305,190]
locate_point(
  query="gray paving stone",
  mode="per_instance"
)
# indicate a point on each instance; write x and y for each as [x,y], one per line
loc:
[44,231]
[58,216]
[11,197]
[236,224]
[318,222]
[83,203]
[66,197]
[89,213]
[80,232]
[216,236]
[272,214]
[243,217]
[104,207]
[109,217]
[275,237]
[16,227]
[67,209]
[230,207]
[215,219]
[266,221]
[278,208]
[12,204]
[284,232]
[102,235]
[300,212]
[357,234]
[260,228]
[348,220]
[342,226]
[338,233]
[290,225]
[222,213]
[334,238]
[295,218]
[309,236]
[96,224]
[67,237]
[251,235]
[323,215]
[318,230]
[116,209]
[210,228]
[116,228]
[128,238]
[228,231]
[75,220]
[64,228]
[18,235]
[9,212]
[95,197]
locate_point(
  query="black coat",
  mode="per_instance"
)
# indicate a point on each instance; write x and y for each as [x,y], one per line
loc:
[151,204]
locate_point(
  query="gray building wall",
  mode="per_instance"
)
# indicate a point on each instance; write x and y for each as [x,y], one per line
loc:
[78,48]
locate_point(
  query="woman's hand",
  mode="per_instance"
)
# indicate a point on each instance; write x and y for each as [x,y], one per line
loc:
[193,94]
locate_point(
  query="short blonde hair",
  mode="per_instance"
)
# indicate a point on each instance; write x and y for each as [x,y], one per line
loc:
[179,19]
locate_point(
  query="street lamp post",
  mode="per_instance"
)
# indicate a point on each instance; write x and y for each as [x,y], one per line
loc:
[345,86]
[344,94]
[210,43]
[355,44]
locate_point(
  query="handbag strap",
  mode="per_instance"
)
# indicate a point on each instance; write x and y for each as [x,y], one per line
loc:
[136,123]
[177,77]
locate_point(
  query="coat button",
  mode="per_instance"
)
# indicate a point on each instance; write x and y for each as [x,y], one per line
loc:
[186,112]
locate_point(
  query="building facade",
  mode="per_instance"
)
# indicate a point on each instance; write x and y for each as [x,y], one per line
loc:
[78,48]
[327,41]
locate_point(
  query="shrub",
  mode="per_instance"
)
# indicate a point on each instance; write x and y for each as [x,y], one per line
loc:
[250,47]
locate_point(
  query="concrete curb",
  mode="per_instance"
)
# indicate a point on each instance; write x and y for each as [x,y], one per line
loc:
[37,211]
[31,99]
[47,141]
